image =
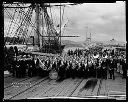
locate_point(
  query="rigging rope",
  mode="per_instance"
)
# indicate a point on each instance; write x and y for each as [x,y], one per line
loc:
[23,21]
[11,20]
[10,16]
[32,25]
[26,21]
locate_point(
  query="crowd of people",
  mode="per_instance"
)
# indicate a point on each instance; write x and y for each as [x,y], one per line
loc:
[9,54]
[78,63]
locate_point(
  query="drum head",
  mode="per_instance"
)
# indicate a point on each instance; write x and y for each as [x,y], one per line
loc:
[53,75]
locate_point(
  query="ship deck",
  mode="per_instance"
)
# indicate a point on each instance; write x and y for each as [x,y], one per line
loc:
[38,87]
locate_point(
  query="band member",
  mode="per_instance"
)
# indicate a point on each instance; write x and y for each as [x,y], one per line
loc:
[86,70]
[23,67]
[54,65]
[83,70]
[89,67]
[97,67]
[16,50]
[5,58]
[124,68]
[77,69]
[43,71]
[111,69]
[13,68]
[30,70]
[58,65]
[11,54]
[18,69]
[72,70]
[35,64]
[60,71]
[93,71]
[115,62]
[98,71]
[65,67]
[67,70]
[104,69]
[48,65]
[34,67]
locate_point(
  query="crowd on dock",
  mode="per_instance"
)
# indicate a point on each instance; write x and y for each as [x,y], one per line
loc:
[78,63]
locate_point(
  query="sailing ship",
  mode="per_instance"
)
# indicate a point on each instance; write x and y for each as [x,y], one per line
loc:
[46,38]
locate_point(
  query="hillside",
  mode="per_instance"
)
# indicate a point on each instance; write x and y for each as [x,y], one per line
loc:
[115,42]
[69,43]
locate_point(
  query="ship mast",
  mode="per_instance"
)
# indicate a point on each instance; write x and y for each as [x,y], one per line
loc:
[43,39]
[36,35]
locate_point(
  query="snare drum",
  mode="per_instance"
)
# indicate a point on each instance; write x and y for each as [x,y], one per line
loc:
[53,75]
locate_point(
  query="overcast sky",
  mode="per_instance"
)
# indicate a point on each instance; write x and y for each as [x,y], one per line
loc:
[103,20]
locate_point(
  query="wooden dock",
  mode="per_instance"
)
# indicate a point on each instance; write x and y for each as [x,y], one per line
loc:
[38,87]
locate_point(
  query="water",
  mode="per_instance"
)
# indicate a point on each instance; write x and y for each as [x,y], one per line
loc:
[72,48]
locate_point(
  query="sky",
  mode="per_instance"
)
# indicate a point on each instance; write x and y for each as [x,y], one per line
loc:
[103,20]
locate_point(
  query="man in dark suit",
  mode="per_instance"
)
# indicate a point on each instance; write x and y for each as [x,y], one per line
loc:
[61,72]
[111,69]
[93,70]
[11,54]
[82,70]
[104,69]
[73,70]
[30,69]
[13,68]
[34,66]
[16,50]
[85,70]
[17,69]
[67,70]
[124,68]
[23,66]
[77,69]
[5,58]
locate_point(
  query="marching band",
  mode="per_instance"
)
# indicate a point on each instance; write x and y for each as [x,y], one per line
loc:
[78,64]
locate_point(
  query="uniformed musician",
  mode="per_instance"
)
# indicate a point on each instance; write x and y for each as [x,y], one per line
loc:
[124,68]
[83,70]
[23,67]
[18,69]
[68,70]
[104,68]
[111,69]
[34,67]
[14,62]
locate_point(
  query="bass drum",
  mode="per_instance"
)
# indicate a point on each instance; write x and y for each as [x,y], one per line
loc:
[53,75]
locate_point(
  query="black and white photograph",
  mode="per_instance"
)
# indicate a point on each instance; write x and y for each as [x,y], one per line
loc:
[65,50]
